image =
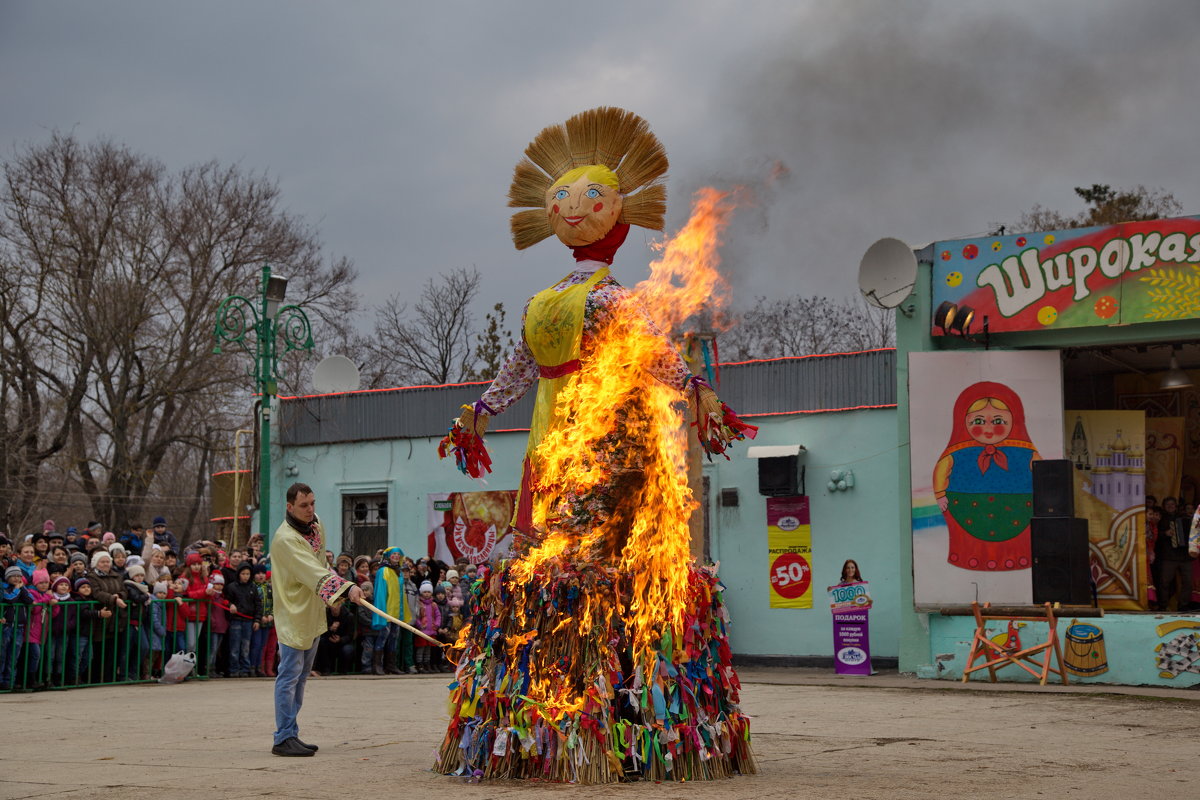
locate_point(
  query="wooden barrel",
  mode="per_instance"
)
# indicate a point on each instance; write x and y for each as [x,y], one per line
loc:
[1085,654]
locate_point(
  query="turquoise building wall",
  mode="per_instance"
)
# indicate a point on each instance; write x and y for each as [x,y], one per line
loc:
[859,523]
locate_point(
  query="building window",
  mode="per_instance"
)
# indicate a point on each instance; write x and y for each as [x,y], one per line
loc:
[364,523]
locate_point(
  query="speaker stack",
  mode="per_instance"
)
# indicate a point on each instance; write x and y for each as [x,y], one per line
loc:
[1058,540]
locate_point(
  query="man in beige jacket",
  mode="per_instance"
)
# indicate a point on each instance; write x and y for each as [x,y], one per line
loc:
[303,585]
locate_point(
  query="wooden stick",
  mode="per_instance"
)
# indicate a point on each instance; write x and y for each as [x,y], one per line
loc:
[404,625]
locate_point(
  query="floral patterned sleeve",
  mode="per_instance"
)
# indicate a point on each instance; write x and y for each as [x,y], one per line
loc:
[519,372]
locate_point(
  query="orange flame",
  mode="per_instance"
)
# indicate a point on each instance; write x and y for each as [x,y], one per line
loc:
[618,441]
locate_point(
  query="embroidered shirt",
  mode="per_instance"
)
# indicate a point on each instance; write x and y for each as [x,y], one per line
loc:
[302,584]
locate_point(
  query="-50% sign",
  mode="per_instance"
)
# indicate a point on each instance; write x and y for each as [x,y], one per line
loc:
[791,575]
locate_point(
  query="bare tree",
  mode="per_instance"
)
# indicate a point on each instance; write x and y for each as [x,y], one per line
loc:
[431,343]
[113,269]
[1104,206]
[799,325]
[493,346]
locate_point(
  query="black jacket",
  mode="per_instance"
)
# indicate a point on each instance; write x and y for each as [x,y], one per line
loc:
[245,597]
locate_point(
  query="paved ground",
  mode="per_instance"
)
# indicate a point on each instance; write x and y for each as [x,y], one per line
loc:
[816,736]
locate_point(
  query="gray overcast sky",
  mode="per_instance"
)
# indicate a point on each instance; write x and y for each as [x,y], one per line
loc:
[394,126]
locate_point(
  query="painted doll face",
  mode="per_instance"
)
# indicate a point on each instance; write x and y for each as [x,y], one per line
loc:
[581,207]
[989,425]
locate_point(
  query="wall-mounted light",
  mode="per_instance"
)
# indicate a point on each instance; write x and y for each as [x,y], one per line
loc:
[840,480]
[954,319]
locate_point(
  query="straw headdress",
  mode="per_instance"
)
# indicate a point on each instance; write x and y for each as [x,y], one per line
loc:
[610,137]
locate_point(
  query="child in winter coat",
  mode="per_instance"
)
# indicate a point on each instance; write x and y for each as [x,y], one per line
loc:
[86,628]
[16,600]
[139,622]
[176,618]
[244,610]
[263,642]
[427,619]
[452,623]
[39,627]
[159,635]
[366,635]
[218,623]
[62,630]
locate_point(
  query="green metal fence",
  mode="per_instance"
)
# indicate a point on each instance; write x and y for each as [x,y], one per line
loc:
[84,643]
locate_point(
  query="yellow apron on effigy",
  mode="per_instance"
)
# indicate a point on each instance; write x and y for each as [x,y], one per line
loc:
[554,334]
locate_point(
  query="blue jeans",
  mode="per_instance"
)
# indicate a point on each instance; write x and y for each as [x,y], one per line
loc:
[83,659]
[241,631]
[294,666]
[12,639]
[387,639]
[258,641]
[59,644]
[33,664]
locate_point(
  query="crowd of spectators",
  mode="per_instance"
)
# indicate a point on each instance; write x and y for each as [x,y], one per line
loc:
[83,607]
[1172,546]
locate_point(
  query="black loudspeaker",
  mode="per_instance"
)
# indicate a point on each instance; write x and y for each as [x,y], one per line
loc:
[1053,488]
[1061,573]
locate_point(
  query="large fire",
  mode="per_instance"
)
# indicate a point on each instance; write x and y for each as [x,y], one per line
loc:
[621,431]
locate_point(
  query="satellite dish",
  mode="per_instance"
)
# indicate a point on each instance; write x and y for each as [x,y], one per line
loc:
[888,273]
[335,374]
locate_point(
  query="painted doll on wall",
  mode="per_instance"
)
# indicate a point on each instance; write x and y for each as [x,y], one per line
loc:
[984,480]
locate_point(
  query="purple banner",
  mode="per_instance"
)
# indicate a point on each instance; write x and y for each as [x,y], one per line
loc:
[851,642]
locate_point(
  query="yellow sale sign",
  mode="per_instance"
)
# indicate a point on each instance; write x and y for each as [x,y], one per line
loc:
[789,552]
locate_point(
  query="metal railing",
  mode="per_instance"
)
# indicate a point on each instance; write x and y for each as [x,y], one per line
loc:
[79,643]
[84,643]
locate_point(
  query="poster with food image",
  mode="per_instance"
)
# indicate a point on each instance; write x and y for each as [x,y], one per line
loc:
[470,526]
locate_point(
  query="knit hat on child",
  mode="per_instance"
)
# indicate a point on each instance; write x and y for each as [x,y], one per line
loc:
[40,576]
[426,586]
[13,572]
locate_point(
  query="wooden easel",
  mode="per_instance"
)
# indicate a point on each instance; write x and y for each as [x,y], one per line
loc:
[997,656]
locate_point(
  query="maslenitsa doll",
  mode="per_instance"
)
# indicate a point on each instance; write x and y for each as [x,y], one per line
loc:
[600,651]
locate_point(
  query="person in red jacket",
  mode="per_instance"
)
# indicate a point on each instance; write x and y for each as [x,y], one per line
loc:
[197,597]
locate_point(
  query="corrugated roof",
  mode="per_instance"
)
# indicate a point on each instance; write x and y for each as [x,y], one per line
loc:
[802,385]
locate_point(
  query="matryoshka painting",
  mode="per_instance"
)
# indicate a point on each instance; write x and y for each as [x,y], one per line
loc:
[983,481]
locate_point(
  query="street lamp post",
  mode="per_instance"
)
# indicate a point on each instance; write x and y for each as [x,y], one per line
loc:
[268,326]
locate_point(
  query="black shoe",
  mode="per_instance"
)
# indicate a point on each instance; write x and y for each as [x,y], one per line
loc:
[291,747]
[312,747]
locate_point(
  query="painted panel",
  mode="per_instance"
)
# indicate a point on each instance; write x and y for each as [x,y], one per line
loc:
[1109,452]
[977,421]
[1106,275]
[1123,649]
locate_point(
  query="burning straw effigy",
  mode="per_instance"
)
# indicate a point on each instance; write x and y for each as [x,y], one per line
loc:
[600,651]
